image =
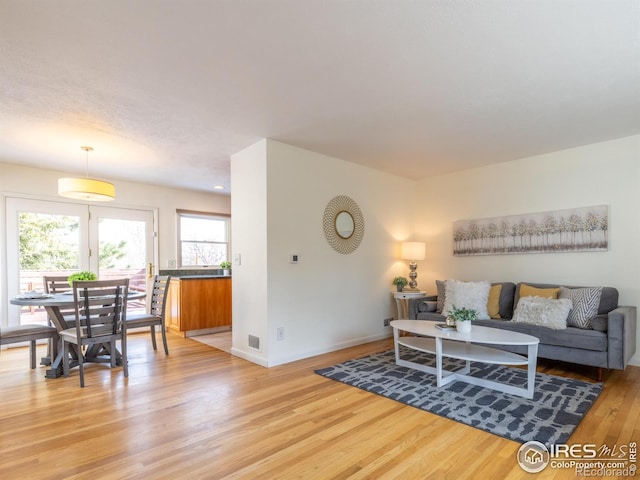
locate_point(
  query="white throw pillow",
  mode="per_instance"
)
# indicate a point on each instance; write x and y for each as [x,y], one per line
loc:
[546,312]
[472,295]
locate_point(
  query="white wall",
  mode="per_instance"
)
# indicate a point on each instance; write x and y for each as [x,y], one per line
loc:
[43,184]
[328,300]
[606,173]
[249,234]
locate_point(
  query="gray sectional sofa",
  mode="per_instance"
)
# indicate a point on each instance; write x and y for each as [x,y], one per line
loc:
[609,343]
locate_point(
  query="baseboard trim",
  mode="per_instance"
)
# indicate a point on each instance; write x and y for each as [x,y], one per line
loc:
[635,361]
[280,360]
[250,357]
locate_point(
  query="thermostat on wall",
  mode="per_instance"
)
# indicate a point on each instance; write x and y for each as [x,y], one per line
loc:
[294,258]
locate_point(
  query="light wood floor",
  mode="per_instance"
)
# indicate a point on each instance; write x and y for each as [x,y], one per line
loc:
[202,413]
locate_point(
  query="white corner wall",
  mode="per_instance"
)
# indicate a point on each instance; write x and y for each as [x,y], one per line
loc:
[249,237]
[606,173]
[328,300]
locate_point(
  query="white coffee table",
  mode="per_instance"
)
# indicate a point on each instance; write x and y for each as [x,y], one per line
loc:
[463,346]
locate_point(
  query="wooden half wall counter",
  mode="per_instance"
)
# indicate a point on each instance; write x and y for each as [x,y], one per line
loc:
[198,304]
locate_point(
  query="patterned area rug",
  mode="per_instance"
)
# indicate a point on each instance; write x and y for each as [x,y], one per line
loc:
[550,417]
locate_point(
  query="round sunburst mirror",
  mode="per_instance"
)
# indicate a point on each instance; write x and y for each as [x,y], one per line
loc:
[343,224]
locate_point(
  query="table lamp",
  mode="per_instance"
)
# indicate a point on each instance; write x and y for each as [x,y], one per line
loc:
[412,251]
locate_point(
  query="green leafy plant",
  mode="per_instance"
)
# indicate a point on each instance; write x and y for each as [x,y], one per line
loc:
[80,276]
[225,265]
[462,314]
[400,281]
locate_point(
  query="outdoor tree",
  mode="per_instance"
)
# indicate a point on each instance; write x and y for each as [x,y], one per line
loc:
[50,242]
[45,242]
[110,252]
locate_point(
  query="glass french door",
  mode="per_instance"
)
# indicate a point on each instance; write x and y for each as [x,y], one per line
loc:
[124,242]
[58,238]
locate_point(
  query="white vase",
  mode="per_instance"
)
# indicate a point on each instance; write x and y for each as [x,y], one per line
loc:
[463,327]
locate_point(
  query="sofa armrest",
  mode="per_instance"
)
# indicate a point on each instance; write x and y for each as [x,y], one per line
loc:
[621,336]
[415,302]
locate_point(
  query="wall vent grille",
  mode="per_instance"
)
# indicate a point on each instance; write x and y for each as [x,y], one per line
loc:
[254,342]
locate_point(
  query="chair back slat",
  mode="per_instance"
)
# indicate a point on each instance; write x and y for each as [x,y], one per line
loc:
[56,284]
[100,306]
[159,295]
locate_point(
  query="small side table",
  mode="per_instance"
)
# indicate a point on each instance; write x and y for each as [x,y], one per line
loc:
[402,302]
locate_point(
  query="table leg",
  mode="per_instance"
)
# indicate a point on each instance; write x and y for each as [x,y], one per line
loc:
[396,333]
[101,353]
[56,366]
[439,361]
[532,354]
[58,320]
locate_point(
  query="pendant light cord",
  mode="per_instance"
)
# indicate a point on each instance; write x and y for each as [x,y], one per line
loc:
[87,150]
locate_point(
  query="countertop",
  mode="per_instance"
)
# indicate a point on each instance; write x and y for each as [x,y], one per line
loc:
[199,277]
[195,273]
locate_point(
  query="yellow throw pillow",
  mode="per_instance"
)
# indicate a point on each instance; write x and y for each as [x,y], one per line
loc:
[529,291]
[493,304]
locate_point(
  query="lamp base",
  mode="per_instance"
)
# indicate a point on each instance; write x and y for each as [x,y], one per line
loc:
[413,285]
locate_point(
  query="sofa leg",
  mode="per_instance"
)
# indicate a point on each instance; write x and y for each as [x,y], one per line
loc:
[599,373]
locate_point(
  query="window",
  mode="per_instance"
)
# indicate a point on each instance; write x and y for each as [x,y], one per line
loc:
[203,238]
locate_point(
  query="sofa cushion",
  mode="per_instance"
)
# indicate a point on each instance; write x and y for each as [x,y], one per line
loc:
[506,304]
[546,312]
[576,338]
[427,306]
[473,295]
[493,304]
[505,301]
[433,316]
[608,299]
[527,290]
[585,305]
[600,322]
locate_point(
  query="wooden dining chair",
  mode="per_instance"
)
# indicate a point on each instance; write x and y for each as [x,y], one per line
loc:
[100,310]
[157,310]
[30,333]
[55,284]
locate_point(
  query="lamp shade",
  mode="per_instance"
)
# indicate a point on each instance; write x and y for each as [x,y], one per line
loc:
[86,189]
[412,250]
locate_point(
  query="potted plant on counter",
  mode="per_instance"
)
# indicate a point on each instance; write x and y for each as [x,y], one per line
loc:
[226,268]
[463,317]
[400,283]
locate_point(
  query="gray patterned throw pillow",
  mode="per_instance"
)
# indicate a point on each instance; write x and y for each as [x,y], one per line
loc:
[585,305]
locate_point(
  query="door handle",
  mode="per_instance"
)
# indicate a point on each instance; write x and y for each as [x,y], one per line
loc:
[150,270]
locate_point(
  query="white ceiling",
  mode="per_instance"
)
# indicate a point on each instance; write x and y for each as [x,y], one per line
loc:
[166,91]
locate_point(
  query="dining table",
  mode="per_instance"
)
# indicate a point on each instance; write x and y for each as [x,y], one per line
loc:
[55,305]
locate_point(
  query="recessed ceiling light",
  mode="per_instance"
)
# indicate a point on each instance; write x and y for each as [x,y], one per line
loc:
[218,187]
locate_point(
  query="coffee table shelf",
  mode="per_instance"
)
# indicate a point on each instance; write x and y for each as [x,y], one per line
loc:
[465,347]
[464,351]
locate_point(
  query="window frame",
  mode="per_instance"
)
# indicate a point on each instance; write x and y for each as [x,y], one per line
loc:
[180,213]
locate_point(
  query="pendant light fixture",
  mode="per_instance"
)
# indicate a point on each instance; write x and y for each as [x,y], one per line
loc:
[86,188]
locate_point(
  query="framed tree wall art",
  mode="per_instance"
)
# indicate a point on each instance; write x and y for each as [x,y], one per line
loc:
[582,229]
